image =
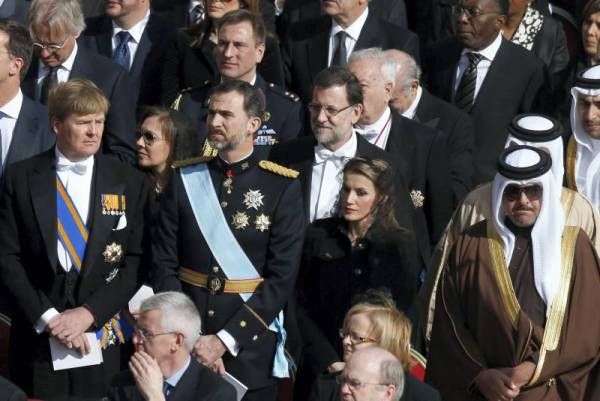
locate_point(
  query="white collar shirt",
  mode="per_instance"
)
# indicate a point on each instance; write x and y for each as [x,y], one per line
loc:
[412,109]
[326,180]
[136,33]
[378,132]
[9,113]
[63,73]
[353,32]
[489,53]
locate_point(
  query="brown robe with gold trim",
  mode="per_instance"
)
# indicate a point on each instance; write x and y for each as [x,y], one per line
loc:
[473,329]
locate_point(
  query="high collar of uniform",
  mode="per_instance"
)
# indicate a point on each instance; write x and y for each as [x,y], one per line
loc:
[237,167]
[535,128]
[589,78]
[523,163]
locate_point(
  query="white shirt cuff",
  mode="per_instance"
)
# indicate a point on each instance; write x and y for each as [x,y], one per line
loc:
[43,321]
[232,345]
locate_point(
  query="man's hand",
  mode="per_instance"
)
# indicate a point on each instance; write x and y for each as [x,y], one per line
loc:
[521,374]
[494,384]
[218,367]
[208,349]
[70,324]
[147,375]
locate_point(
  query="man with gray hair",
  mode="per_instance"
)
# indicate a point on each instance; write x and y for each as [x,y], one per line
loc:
[417,149]
[372,374]
[413,101]
[55,26]
[161,367]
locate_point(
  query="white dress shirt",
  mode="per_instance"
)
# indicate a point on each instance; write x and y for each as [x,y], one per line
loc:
[8,119]
[63,73]
[489,53]
[136,33]
[327,178]
[353,32]
[378,132]
[412,109]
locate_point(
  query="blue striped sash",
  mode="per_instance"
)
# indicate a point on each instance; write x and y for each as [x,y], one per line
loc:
[72,232]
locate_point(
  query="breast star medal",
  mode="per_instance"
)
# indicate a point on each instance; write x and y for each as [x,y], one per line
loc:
[417,198]
[262,222]
[240,220]
[253,199]
[113,253]
[228,182]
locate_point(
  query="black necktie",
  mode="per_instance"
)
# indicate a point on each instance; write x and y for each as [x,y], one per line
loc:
[465,94]
[121,54]
[341,54]
[49,82]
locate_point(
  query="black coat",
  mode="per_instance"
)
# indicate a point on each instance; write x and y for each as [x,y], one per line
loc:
[274,251]
[189,67]
[147,67]
[10,392]
[15,9]
[458,129]
[29,264]
[306,45]
[510,87]
[281,122]
[198,383]
[113,80]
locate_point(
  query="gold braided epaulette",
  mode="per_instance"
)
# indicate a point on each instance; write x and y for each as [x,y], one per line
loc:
[278,169]
[175,104]
[190,161]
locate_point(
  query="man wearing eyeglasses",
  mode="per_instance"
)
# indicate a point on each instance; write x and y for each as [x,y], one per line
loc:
[161,367]
[486,76]
[514,316]
[55,27]
[372,374]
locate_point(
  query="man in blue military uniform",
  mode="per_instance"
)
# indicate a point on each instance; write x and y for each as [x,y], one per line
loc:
[230,236]
[240,48]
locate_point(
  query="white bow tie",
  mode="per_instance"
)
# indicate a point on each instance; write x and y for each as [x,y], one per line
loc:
[368,134]
[79,168]
[322,154]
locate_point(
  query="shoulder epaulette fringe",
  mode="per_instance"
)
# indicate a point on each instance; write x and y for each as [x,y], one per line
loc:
[191,161]
[278,169]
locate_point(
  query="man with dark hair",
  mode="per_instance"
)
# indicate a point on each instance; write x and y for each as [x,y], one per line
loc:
[240,48]
[348,25]
[230,236]
[136,38]
[485,75]
[70,247]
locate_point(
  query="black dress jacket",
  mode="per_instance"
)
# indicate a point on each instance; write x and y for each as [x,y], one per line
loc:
[273,246]
[113,80]
[29,264]
[306,45]
[458,129]
[149,60]
[511,87]
[198,383]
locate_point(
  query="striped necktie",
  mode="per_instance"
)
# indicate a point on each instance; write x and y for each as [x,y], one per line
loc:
[465,94]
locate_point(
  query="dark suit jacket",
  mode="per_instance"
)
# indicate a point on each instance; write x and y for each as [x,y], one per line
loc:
[15,9]
[119,128]
[421,154]
[29,265]
[457,126]
[10,392]
[149,59]
[510,87]
[198,383]
[306,46]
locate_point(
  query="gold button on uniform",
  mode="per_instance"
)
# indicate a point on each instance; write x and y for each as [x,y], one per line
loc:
[254,337]
[215,269]
[211,313]
[243,323]
[223,204]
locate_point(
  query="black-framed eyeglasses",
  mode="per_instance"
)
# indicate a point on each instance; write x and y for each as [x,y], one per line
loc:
[470,12]
[149,137]
[532,192]
[354,339]
[330,111]
[355,384]
[51,47]
[146,335]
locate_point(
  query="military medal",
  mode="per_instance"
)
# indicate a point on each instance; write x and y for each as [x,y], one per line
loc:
[111,276]
[113,253]
[253,199]
[417,198]
[113,204]
[228,182]
[240,220]
[262,222]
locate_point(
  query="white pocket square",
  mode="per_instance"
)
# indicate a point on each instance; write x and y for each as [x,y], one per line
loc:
[122,223]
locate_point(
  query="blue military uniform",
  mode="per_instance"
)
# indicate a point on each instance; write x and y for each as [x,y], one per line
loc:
[283,119]
[262,204]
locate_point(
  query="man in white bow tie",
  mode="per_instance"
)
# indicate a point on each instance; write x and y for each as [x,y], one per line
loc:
[67,254]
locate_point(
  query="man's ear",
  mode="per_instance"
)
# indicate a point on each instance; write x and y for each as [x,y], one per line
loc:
[54,123]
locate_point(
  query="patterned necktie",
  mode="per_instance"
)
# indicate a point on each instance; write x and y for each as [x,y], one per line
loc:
[49,82]
[197,14]
[167,389]
[341,53]
[465,94]
[121,54]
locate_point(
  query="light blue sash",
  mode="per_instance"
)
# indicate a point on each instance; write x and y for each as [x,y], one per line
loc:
[224,246]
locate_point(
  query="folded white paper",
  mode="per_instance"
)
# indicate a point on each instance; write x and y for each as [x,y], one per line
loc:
[65,358]
[140,296]
[240,389]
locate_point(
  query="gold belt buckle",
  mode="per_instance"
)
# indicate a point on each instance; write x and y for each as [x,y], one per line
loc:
[215,285]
